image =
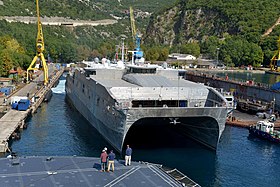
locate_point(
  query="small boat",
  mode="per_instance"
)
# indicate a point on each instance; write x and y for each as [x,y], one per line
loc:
[265,130]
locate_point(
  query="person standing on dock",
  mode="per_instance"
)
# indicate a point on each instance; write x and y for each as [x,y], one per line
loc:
[103,157]
[128,154]
[111,158]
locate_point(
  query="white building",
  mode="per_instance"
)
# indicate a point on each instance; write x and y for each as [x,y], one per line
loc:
[178,56]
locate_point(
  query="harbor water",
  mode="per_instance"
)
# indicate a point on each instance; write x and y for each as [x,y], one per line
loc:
[265,78]
[240,160]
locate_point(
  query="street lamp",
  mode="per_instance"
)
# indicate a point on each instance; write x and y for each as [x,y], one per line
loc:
[123,49]
[178,88]
[218,55]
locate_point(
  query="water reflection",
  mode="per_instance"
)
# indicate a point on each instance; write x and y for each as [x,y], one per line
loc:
[246,76]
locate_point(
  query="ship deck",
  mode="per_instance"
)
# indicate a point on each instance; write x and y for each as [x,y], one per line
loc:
[84,171]
[148,81]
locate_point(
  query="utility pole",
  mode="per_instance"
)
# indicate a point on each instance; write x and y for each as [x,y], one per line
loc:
[178,88]
[218,55]
[122,49]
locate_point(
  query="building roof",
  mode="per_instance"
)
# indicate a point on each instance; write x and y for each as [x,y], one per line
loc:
[12,71]
[181,56]
[4,79]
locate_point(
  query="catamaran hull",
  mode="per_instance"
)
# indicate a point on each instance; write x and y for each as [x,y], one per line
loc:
[203,124]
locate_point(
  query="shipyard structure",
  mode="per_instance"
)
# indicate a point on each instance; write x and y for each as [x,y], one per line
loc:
[117,99]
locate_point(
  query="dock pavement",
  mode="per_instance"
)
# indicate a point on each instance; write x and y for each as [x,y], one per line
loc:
[244,120]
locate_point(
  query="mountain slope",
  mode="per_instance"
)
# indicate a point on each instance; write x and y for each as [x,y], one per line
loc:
[70,44]
[198,19]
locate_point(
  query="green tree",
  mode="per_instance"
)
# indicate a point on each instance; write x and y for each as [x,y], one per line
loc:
[210,46]
[241,52]
[163,53]
[152,54]
[191,48]
[6,63]
[12,54]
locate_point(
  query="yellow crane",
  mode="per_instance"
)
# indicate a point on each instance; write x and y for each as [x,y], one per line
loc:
[275,60]
[40,46]
[137,53]
[132,22]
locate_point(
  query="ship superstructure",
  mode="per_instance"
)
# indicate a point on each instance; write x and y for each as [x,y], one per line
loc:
[115,99]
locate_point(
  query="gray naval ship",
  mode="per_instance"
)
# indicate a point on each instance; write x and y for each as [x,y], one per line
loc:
[115,99]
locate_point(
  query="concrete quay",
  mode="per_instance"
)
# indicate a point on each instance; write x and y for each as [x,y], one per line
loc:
[244,120]
[11,121]
[15,119]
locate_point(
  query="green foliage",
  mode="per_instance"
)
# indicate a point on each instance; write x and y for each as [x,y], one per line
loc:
[11,55]
[156,53]
[213,22]
[210,46]
[75,9]
[235,27]
[191,48]
[240,52]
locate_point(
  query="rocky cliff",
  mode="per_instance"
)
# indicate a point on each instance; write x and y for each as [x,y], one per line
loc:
[191,20]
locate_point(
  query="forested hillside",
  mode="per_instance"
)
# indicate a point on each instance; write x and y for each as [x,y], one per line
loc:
[232,28]
[235,28]
[80,9]
[64,44]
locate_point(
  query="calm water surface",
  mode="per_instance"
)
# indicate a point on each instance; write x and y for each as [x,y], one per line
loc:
[58,129]
[246,76]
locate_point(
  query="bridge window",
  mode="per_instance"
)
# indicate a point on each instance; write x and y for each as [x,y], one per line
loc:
[157,103]
[142,70]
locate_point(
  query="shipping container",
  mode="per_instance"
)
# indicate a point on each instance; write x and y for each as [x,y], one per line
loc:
[23,104]
[15,105]
[6,90]
[17,99]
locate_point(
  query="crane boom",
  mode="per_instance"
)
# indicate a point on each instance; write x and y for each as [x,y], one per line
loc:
[40,47]
[137,54]
[40,39]
[275,60]
[132,22]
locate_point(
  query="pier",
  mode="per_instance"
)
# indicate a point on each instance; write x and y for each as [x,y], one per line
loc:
[15,119]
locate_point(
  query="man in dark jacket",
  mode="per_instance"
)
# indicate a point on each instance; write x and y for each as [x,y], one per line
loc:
[128,154]
[111,158]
